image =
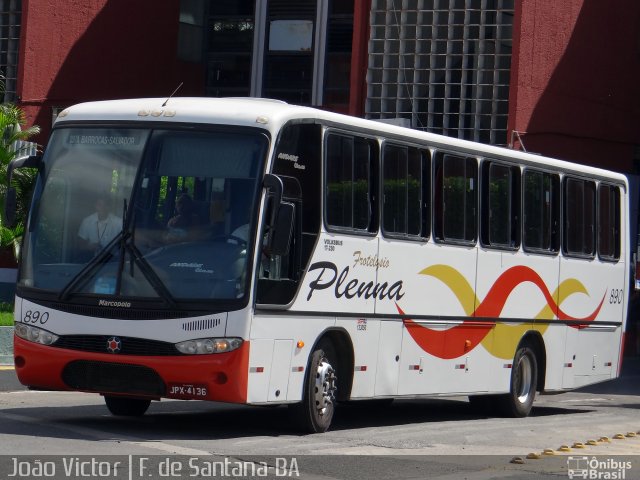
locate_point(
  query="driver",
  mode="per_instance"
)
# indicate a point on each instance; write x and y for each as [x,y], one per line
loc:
[99,228]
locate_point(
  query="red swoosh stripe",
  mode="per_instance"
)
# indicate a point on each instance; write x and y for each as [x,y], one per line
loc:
[456,341]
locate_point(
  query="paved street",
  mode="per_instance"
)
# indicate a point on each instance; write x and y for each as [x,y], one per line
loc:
[444,436]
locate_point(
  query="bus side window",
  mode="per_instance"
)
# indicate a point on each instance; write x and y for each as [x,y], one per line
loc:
[500,226]
[456,207]
[405,200]
[541,210]
[579,237]
[350,201]
[609,222]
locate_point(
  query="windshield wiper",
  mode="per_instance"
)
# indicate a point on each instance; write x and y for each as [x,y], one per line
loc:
[124,239]
[85,273]
[128,245]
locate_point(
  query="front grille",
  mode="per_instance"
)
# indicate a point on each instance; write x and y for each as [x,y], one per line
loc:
[128,345]
[113,378]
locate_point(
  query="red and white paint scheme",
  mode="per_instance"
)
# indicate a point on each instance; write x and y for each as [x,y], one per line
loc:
[251,251]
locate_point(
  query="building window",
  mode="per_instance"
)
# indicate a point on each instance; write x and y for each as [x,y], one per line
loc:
[10,21]
[337,69]
[288,62]
[230,40]
[299,52]
[444,65]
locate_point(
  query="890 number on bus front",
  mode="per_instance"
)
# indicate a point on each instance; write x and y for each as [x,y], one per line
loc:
[35,316]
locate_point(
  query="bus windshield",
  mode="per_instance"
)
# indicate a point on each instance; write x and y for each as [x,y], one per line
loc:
[153,214]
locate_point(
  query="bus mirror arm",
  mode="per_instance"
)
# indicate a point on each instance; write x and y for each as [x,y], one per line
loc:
[281,221]
[10,205]
[273,184]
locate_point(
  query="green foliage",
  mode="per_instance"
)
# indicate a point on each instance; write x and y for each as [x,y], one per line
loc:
[6,314]
[12,121]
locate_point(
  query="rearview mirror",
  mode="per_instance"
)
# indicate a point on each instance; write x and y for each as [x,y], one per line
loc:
[281,232]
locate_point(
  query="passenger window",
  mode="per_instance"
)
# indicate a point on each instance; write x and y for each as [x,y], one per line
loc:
[456,198]
[541,209]
[405,193]
[349,196]
[609,222]
[579,217]
[501,205]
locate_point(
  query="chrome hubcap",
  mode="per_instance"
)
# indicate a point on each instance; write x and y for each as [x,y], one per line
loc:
[523,379]
[325,387]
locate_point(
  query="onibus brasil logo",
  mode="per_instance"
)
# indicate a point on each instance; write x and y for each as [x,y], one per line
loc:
[595,468]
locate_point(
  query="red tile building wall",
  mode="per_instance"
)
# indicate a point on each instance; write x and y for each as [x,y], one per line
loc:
[575,80]
[80,50]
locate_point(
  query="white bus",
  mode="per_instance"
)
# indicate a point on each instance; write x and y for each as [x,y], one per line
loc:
[255,252]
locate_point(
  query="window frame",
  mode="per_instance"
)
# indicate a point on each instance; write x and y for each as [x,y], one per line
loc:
[425,191]
[617,223]
[565,225]
[438,156]
[514,219]
[374,155]
[555,242]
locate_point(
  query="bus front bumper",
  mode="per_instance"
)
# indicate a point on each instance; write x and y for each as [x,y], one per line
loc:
[218,377]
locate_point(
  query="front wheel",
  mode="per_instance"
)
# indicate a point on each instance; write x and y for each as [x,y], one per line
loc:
[127,407]
[315,412]
[524,380]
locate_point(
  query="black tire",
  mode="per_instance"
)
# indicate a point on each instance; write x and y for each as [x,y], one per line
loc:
[127,407]
[524,380]
[315,413]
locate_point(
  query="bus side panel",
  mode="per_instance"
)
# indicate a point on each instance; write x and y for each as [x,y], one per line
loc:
[514,285]
[438,295]
[389,351]
[341,276]
[277,362]
[592,292]
[365,335]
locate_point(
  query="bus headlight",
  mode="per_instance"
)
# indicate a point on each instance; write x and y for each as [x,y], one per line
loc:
[208,345]
[34,334]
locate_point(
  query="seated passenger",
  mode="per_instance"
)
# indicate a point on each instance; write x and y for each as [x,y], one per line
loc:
[180,226]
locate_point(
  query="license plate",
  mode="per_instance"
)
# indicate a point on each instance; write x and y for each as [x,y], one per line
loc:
[187,390]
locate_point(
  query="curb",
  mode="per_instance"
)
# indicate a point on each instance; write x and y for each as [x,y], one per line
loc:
[6,345]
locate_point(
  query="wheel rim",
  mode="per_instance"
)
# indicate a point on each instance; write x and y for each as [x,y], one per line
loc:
[523,379]
[325,387]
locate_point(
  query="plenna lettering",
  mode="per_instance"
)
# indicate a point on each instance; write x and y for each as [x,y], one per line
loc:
[343,287]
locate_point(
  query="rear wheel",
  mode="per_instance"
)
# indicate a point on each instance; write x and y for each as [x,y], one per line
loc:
[127,407]
[524,380]
[315,413]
